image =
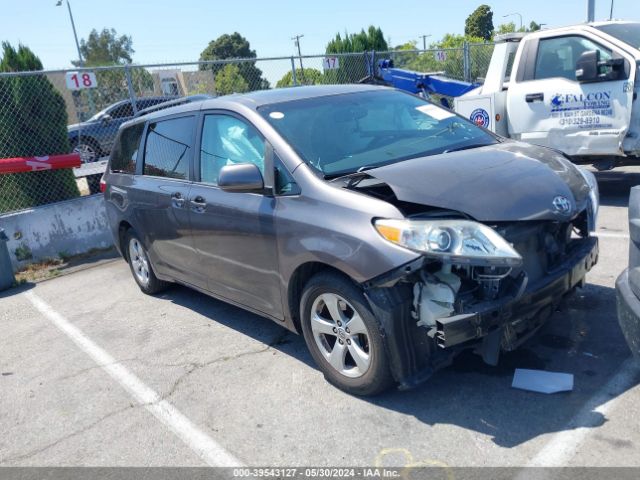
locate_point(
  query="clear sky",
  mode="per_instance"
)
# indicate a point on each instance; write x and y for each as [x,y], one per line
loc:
[173,31]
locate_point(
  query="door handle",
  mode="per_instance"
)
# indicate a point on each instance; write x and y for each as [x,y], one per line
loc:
[177,200]
[534,97]
[198,204]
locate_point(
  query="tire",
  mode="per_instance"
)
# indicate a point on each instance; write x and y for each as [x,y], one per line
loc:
[359,365]
[140,265]
[87,148]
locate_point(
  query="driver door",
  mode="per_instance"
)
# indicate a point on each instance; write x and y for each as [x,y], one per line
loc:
[548,106]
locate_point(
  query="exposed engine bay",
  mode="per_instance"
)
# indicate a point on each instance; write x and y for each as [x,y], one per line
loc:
[492,308]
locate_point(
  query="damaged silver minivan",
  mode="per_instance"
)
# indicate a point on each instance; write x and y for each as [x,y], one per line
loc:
[390,232]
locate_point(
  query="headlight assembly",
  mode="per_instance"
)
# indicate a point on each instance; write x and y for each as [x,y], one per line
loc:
[460,241]
[594,197]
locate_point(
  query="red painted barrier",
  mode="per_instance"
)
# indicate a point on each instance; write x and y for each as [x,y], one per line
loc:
[34,164]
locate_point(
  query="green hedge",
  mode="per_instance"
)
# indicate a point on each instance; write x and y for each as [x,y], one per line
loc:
[33,122]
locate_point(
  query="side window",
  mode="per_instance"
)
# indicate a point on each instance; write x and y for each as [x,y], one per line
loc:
[168,148]
[125,152]
[227,140]
[122,111]
[557,57]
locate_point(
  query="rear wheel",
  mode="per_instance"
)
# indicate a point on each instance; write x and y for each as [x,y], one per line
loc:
[343,336]
[140,265]
[88,150]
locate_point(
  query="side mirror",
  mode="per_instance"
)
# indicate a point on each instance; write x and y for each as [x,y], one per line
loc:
[105,119]
[587,66]
[242,177]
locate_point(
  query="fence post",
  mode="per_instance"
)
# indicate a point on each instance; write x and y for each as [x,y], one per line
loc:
[293,72]
[466,60]
[132,93]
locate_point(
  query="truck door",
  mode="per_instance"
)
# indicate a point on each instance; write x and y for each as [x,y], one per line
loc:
[548,105]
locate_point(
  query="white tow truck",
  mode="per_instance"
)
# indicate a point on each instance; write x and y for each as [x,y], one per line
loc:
[574,89]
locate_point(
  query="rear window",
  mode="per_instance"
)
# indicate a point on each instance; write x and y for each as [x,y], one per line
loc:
[627,32]
[168,148]
[125,153]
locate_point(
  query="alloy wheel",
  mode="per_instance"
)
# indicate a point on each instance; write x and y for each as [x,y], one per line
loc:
[87,152]
[341,335]
[139,261]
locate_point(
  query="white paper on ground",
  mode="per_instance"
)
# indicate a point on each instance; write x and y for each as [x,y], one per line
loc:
[541,381]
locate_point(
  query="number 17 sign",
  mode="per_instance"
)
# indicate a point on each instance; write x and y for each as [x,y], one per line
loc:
[81,80]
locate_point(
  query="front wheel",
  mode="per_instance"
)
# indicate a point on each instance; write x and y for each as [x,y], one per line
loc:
[343,335]
[141,267]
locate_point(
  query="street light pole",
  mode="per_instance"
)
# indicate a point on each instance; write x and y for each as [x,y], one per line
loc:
[75,34]
[514,13]
[92,108]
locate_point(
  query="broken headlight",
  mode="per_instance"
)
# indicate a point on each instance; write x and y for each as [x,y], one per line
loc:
[594,197]
[459,241]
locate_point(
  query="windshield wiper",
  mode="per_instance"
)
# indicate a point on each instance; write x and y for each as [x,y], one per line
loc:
[466,147]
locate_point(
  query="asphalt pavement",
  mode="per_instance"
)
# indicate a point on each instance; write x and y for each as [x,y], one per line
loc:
[93,372]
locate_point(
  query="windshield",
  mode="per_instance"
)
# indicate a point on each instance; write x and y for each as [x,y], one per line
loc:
[340,134]
[627,32]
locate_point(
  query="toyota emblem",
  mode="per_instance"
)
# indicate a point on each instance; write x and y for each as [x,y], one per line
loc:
[561,204]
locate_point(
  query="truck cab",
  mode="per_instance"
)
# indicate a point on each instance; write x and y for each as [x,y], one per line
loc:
[572,88]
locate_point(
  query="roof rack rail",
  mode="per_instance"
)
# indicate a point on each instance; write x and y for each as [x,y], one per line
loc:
[173,103]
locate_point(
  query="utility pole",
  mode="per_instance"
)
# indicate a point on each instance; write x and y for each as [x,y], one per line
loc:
[611,11]
[296,39]
[591,7]
[424,41]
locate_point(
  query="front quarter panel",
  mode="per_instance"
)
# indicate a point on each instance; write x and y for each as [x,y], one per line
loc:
[334,226]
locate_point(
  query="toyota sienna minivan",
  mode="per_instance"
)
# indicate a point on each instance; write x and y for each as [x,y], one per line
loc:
[390,232]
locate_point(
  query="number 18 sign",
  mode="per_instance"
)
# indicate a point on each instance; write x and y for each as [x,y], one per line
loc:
[81,80]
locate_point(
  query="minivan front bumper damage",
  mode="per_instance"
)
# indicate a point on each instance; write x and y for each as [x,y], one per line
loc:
[489,327]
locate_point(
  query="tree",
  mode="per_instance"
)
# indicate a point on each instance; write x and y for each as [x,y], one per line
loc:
[105,48]
[505,28]
[311,76]
[230,80]
[480,23]
[405,54]
[453,63]
[234,46]
[354,68]
[534,27]
[33,122]
[372,39]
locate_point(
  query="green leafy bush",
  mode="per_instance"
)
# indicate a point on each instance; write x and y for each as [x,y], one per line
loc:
[33,122]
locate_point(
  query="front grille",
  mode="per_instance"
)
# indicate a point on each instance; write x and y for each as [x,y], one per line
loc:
[544,245]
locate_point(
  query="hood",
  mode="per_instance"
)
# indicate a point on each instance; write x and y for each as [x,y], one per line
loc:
[502,182]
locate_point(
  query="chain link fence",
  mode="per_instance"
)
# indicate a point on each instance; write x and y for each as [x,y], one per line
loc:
[80,110]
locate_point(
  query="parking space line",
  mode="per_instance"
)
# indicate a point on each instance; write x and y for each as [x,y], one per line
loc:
[202,444]
[612,235]
[563,445]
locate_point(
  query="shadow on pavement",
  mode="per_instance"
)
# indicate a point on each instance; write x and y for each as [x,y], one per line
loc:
[614,186]
[18,289]
[583,338]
